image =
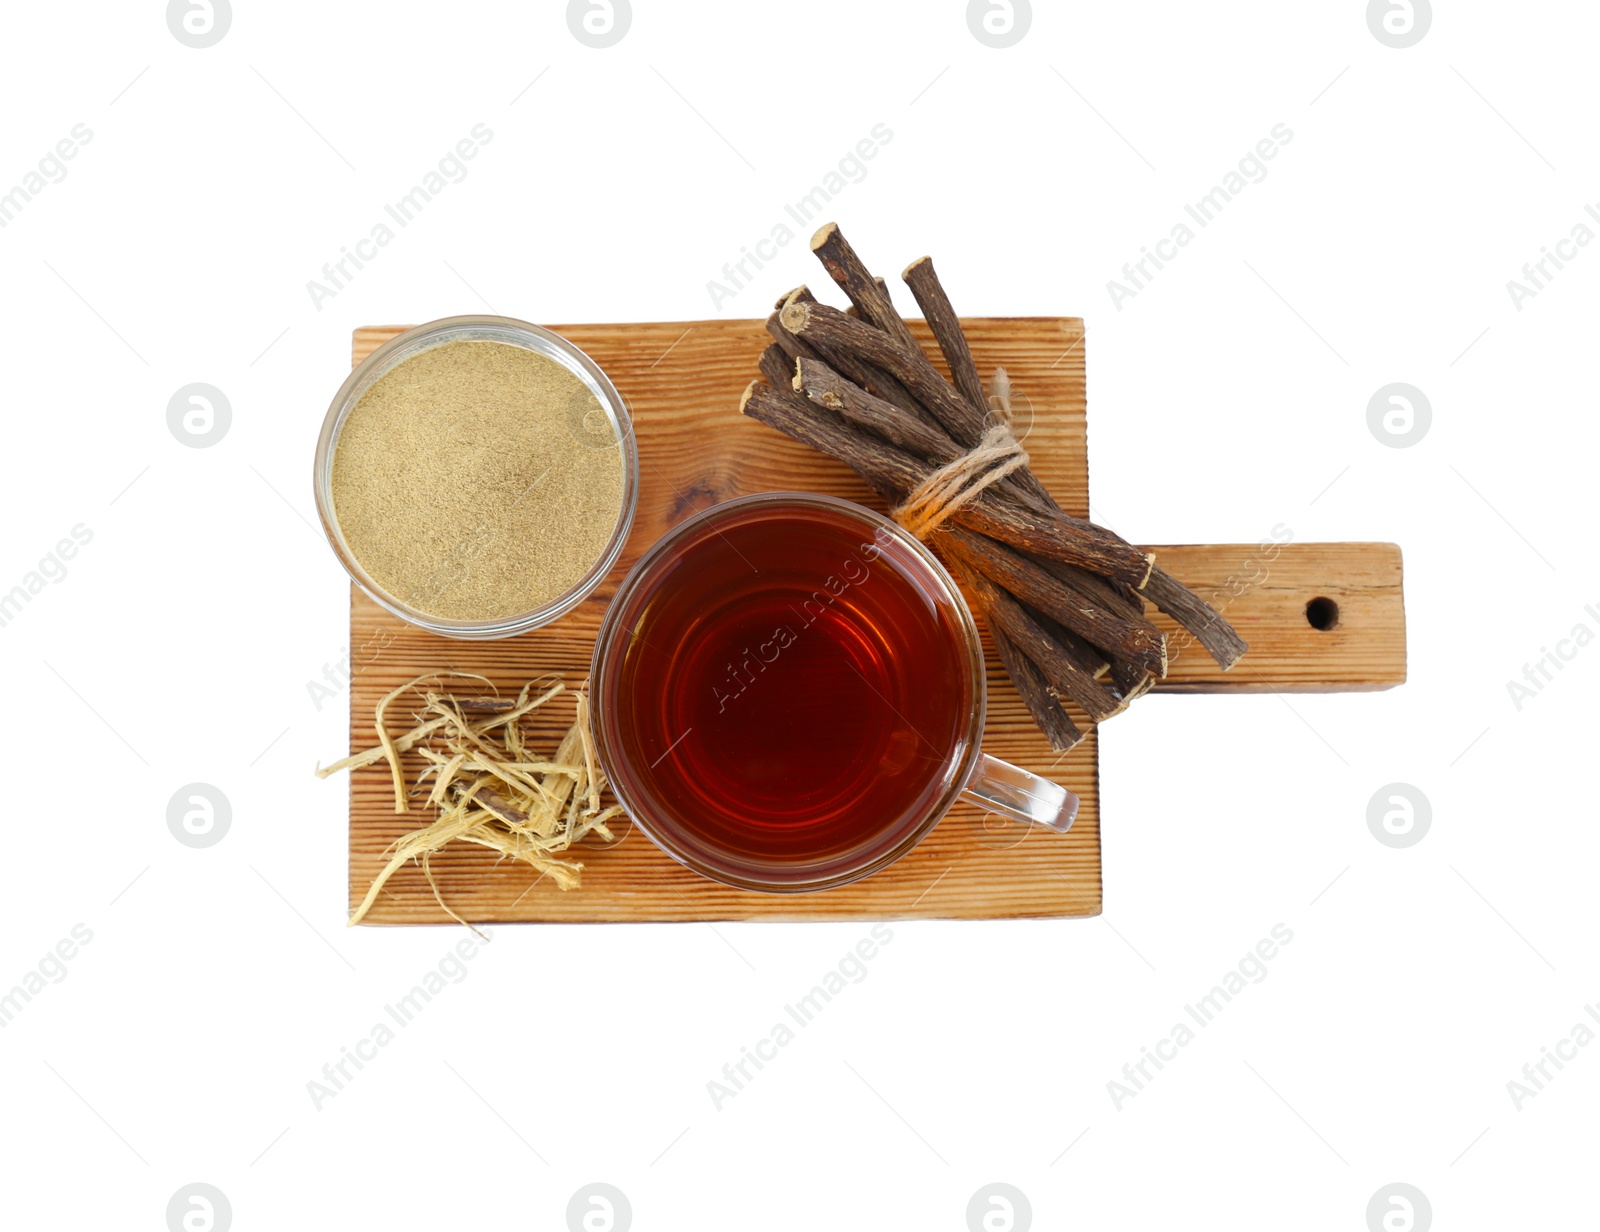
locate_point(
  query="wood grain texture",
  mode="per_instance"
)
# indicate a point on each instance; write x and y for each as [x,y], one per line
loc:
[1264,592]
[682,382]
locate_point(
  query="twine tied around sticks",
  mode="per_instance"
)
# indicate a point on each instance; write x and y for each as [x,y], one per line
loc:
[955,484]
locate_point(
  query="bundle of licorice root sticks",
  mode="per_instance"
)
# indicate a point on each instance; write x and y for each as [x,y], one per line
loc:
[1063,599]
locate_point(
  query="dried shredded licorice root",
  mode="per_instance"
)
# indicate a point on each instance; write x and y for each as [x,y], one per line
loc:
[487,786]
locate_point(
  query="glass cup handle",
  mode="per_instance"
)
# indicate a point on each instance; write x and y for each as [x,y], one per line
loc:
[1020,795]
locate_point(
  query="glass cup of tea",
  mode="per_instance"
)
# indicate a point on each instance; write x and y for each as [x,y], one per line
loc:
[789,694]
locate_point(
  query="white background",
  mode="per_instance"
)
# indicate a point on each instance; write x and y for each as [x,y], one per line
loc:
[1227,397]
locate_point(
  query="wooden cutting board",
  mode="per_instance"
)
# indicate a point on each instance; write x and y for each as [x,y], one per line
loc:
[682,383]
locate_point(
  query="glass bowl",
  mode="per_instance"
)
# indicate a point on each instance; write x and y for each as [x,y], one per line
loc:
[477,329]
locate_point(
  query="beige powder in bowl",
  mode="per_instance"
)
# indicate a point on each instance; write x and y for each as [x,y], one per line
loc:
[477,481]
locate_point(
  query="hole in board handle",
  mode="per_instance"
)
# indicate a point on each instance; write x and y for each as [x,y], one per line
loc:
[1322,614]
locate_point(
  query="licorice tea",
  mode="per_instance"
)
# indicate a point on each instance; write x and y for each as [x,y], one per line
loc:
[793,686]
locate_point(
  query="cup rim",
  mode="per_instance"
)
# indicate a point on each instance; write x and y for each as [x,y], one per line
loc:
[511,332]
[959,768]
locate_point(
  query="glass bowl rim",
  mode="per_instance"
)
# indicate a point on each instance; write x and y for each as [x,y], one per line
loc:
[511,332]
